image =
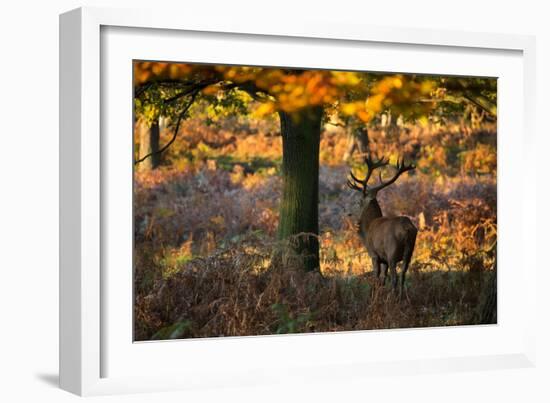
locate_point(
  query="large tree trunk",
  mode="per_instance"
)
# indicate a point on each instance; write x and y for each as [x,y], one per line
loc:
[149,138]
[301,133]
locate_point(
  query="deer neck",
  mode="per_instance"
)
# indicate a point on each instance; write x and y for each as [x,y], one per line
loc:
[371,212]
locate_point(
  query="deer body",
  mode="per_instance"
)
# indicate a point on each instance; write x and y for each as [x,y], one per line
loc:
[388,240]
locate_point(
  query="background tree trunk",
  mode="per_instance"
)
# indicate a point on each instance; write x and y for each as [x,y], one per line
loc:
[149,138]
[386,124]
[488,311]
[301,133]
[358,140]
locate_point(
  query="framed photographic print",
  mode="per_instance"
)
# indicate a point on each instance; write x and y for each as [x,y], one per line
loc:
[236,200]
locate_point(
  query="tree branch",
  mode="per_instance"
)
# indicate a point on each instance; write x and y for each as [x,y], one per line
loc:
[248,87]
[180,117]
[251,89]
[482,102]
[141,89]
[335,124]
[197,87]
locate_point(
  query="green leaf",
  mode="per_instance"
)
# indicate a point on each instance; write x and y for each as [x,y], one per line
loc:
[175,331]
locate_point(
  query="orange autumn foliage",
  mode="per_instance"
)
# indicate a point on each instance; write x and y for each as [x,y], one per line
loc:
[293,89]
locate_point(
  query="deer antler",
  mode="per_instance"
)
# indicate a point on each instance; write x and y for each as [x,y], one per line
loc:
[401,168]
[371,165]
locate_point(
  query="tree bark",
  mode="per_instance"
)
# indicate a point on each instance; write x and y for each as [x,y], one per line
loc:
[358,139]
[149,138]
[301,134]
[488,307]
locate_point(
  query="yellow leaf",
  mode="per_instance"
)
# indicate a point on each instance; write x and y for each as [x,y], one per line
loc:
[264,109]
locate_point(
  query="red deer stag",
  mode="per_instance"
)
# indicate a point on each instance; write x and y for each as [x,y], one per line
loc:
[389,240]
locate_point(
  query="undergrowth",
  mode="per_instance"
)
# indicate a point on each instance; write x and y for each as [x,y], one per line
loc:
[245,289]
[205,222]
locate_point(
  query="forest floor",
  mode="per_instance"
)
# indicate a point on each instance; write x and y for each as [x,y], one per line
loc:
[205,223]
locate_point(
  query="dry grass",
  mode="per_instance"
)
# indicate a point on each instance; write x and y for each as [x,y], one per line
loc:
[243,290]
[205,226]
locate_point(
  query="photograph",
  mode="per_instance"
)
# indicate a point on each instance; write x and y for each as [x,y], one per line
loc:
[274,200]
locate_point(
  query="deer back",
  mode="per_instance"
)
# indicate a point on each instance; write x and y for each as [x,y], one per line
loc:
[386,238]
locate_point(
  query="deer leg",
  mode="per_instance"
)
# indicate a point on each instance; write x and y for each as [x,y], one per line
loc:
[405,268]
[376,266]
[385,272]
[393,268]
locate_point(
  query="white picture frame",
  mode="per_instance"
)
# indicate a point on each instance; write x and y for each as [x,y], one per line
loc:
[89,337]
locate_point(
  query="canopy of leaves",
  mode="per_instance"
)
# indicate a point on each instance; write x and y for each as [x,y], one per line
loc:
[161,88]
